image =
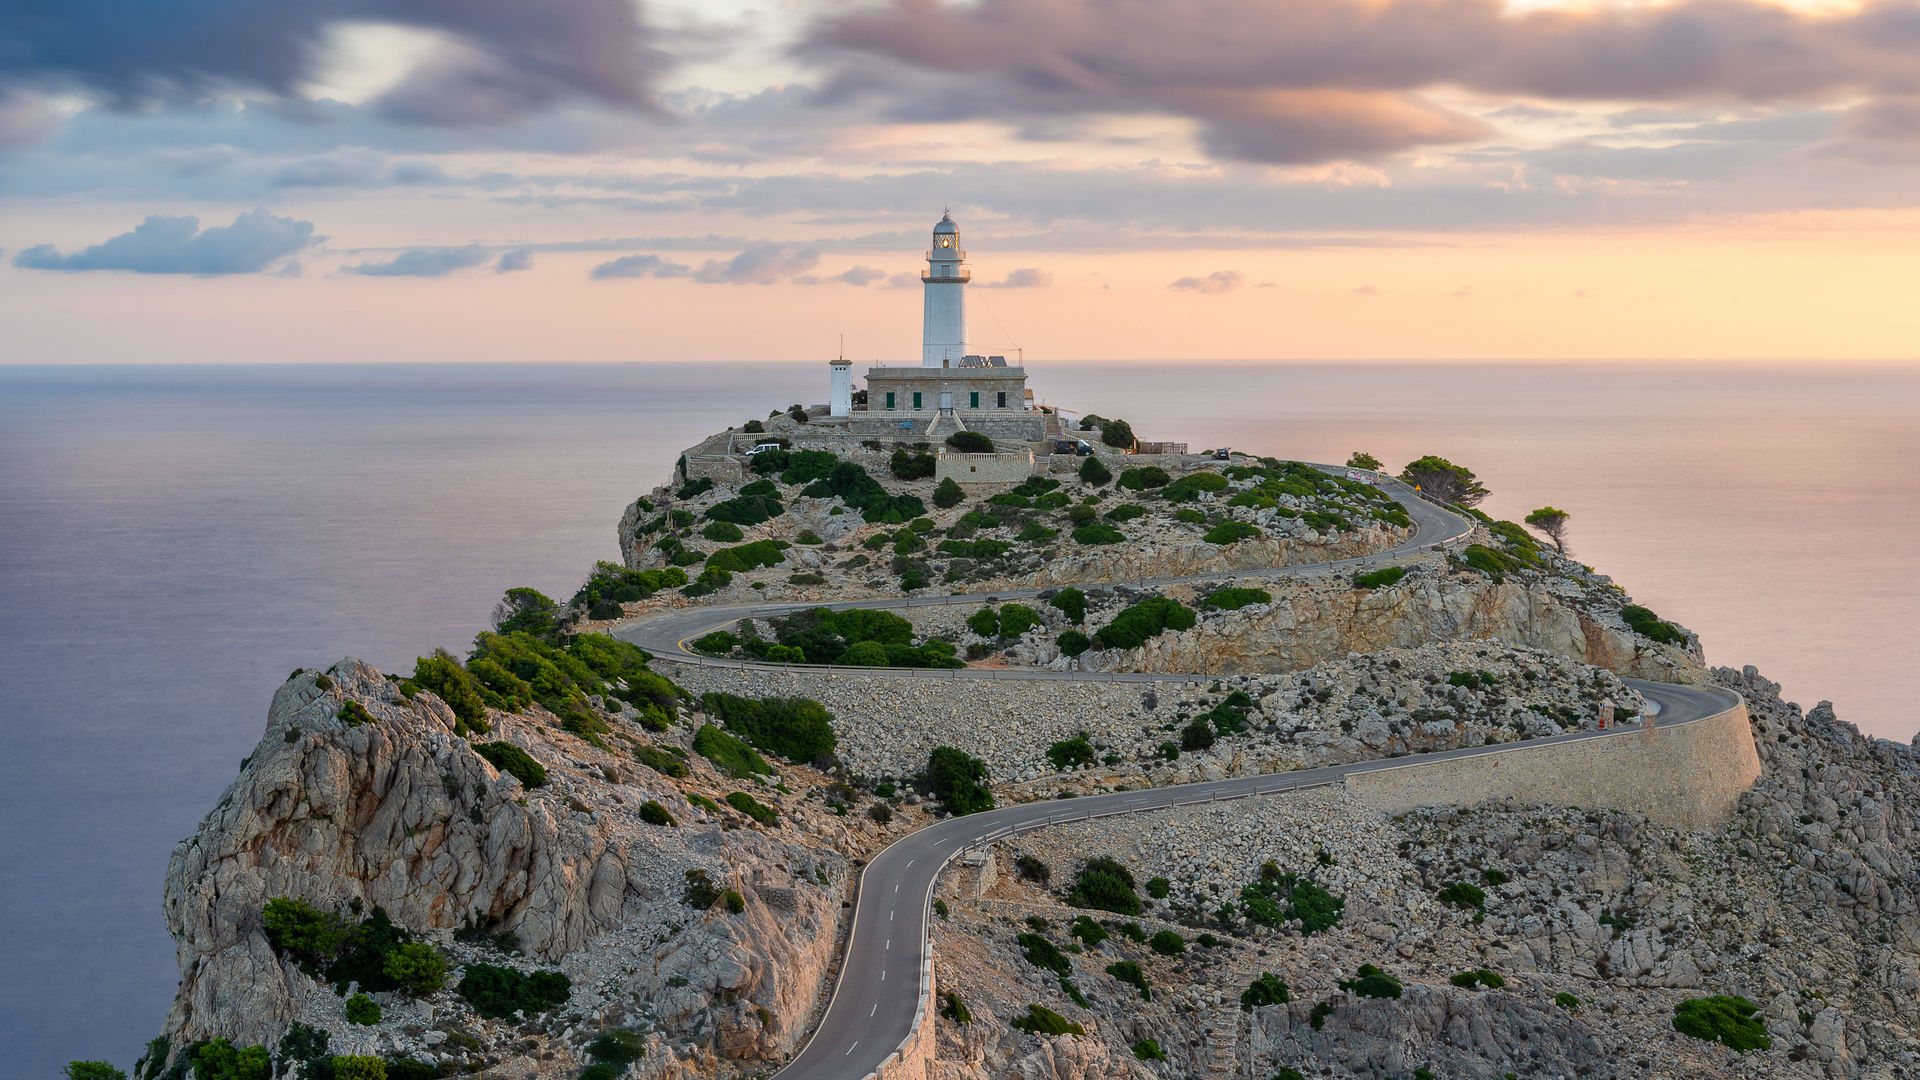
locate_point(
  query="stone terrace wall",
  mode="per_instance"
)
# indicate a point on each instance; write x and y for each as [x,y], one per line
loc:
[1689,776]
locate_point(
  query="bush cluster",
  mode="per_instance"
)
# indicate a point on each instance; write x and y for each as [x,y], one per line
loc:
[1072,602]
[911,466]
[798,729]
[1129,972]
[1041,1020]
[373,952]
[1095,472]
[1073,642]
[958,781]
[732,756]
[1071,753]
[753,808]
[851,484]
[1096,534]
[660,761]
[748,556]
[1726,1019]
[970,442]
[1189,487]
[513,761]
[1104,883]
[1648,625]
[1148,618]
[861,638]
[1234,598]
[1230,532]
[1467,980]
[1143,478]
[499,992]
[1371,982]
[1268,989]
[1381,578]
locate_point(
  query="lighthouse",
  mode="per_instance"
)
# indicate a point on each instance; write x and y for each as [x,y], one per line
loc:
[943,339]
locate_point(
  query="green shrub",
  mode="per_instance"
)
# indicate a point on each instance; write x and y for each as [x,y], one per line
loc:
[1073,642]
[700,892]
[416,967]
[747,556]
[1159,888]
[1318,1017]
[1094,472]
[1125,512]
[1097,534]
[362,1009]
[1567,1001]
[1149,1050]
[1105,884]
[734,901]
[1235,598]
[1494,564]
[1494,877]
[954,1009]
[513,761]
[753,808]
[619,1046]
[1229,532]
[798,729]
[1036,533]
[693,489]
[1316,908]
[1072,602]
[1129,972]
[91,1070]
[1268,989]
[718,643]
[1167,943]
[1071,753]
[805,466]
[1463,894]
[350,1067]
[1081,514]
[722,532]
[660,761]
[975,549]
[1196,736]
[1017,619]
[1088,931]
[947,494]
[1381,578]
[527,611]
[1372,983]
[1726,1019]
[733,757]
[221,1060]
[602,1070]
[453,684]
[970,442]
[499,992]
[1140,479]
[1117,434]
[1189,487]
[1191,516]
[1041,1020]
[653,813]
[1042,953]
[958,781]
[354,714]
[746,509]
[307,934]
[1146,619]
[1648,625]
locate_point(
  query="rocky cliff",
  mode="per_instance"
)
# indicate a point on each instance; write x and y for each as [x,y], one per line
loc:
[398,813]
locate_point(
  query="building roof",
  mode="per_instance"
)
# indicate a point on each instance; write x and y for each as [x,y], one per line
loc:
[951,374]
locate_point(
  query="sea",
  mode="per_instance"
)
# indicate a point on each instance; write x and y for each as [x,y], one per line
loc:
[175,539]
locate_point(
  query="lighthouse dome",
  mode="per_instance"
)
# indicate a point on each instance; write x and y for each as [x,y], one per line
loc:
[946,225]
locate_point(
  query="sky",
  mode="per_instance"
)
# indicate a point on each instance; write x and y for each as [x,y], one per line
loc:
[405,180]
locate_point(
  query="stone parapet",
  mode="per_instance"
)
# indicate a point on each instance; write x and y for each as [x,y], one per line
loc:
[1689,776]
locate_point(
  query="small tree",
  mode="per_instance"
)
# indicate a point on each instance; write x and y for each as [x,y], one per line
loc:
[1552,524]
[527,610]
[92,1070]
[970,442]
[958,781]
[1363,460]
[417,966]
[1117,434]
[947,494]
[1094,472]
[798,412]
[1444,480]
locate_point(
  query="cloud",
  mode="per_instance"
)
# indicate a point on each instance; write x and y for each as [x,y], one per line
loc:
[763,264]
[498,61]
[861,276]
[25,119]
[1367,290]
[177,245]
[422,262]
[350,167]
[510,261]
[1025,278]
[1320,80]
[635,266]
[1217,282]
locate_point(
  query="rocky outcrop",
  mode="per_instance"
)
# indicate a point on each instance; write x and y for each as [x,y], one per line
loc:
[1312,621]
[399,813]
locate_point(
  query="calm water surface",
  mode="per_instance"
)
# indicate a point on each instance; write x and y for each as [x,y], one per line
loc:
[174,540]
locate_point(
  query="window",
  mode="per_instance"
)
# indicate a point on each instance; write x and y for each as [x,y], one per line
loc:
[889,399]
[1003,399]
[973,400]
[916,399]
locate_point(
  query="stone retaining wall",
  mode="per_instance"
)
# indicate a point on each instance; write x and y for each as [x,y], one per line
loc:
[1689,776]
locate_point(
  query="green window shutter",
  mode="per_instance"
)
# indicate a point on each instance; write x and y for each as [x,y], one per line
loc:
[889,399]
[916,399]
[974,400]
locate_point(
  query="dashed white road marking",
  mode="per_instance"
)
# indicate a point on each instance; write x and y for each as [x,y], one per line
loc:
[909,863]
[856,1042]
[875,1009]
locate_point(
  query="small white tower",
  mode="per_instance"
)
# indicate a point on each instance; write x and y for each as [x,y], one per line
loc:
[944,335]
[840,387]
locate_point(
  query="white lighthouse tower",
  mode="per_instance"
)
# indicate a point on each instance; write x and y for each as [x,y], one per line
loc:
[944,335]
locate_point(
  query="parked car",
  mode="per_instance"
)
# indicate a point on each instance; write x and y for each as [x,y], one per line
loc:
[762,447]
[1223,454]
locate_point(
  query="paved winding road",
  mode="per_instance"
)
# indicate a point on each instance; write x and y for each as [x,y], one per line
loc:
[888,953]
